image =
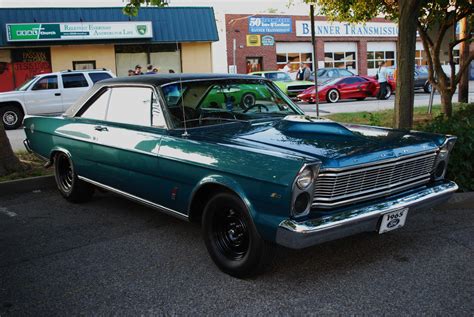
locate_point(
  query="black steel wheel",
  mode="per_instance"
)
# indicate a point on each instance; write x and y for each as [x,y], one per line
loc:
[248,100]
[67,181]
[232,239]
[427,87]
[12,117]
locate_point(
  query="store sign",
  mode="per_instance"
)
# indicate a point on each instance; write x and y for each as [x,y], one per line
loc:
[78,31]
[338,29]
[270,25]
[253,40]
[268,40]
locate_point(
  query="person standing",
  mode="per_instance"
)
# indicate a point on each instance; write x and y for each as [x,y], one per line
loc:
[303,72]
[382,79]
[131,72]
[150,70]
[287,68]
[138,70]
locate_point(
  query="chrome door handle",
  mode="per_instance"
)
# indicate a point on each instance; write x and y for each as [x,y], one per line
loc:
[57,94]
[100,128]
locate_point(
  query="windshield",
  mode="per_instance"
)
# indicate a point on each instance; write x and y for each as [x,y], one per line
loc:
[26,84]
[203,103]
[278,76]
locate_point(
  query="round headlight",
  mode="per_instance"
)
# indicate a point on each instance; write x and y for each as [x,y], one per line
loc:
[305,178]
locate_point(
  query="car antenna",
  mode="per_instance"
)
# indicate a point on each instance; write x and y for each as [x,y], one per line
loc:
[185,133]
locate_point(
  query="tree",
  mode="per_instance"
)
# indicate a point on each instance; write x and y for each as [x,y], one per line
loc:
[437,19]
[427,15]
[9,163]
[133,6]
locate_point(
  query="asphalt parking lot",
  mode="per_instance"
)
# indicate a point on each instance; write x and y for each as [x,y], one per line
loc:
[114,257]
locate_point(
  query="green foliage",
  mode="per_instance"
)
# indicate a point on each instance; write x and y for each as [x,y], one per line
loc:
[461,161]
[133,6]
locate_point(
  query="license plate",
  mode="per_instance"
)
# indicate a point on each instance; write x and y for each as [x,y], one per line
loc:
[393,220]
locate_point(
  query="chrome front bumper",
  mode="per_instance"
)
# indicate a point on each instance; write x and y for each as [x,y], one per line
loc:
[298,235]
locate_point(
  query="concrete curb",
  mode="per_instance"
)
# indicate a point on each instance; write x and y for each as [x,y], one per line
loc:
[26,185]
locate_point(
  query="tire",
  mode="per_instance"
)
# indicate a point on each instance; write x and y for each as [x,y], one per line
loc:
[69,185]
[12,116]
[388,92]
[248,100]
[232,239]
[332,96]
[427,88]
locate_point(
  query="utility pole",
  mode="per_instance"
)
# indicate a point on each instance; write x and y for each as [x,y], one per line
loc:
[315,58]
[463,92]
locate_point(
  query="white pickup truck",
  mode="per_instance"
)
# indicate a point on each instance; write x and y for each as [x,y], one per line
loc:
[50,94]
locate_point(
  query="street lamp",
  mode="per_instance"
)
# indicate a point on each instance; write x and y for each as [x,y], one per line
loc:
[315,59]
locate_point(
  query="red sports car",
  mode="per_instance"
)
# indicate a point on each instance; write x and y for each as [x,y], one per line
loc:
[353,87]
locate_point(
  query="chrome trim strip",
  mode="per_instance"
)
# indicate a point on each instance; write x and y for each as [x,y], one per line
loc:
[317,203]
[318,225]
[145,202]
[354,167]
[381,165]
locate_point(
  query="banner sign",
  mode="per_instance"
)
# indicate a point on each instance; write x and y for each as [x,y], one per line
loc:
[33,32]
[268,40]
[326,28]
[270,25]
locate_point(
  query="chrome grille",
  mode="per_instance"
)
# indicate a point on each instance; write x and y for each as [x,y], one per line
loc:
[333,189]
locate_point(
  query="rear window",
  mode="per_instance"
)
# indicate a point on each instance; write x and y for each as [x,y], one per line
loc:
[74,81]
[95,77]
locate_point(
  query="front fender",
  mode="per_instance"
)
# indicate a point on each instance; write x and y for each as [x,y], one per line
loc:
[262,212]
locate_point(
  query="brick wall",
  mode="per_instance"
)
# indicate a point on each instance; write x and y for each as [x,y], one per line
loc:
[237,27]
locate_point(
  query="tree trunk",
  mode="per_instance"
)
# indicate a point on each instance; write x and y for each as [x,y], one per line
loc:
[447,103]
[463,92]
[404,97]
[9,163]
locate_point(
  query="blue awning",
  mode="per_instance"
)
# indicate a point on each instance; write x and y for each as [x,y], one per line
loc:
[170,25]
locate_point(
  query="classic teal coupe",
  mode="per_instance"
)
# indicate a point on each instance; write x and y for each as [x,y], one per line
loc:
[255,174]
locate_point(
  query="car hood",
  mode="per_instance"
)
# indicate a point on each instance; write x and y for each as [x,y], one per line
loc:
[295,82]
[335,145]
[11,94]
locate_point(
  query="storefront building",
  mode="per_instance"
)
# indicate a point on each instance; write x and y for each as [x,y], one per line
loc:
[269,42]
[40,40]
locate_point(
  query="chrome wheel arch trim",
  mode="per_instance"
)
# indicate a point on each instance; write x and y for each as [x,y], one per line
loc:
[142,201]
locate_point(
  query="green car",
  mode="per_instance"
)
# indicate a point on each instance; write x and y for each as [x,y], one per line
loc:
[289,86]
[254,173]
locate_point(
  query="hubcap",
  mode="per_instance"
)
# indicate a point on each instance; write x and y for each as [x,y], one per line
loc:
[333,96]
[10,118]
[231,234]
[65,173]
[248,100]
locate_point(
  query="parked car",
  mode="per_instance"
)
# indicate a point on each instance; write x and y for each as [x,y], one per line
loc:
[49,93]
[420,79]
[354,87]
[283,80]
[253,176]
[330,73]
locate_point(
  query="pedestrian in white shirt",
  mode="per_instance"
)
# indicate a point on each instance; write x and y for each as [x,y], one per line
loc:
[382,79]
[287,68]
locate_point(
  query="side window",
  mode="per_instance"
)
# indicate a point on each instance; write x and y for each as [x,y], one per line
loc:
[343,72]
[98,108]
[130,105]
[95,77]
[47,82]
[74,81]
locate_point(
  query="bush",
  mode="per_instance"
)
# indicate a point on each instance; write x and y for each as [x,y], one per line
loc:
[461,161]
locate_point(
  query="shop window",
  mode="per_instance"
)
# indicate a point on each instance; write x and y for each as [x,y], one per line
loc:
[254,64]
[82,65]
[45,83]
[294,59]
[376,57]
[456,56]
[420,58]
[95,77]
[74,81]
[340,60]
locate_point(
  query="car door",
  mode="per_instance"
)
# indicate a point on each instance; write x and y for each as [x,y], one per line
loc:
[74,85]
[128,141]
[44,96]
[347,87]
